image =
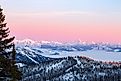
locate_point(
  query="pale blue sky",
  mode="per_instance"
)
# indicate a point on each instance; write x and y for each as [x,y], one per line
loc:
[62,5]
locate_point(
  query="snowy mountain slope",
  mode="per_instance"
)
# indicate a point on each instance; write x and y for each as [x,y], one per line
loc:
[30,52]
[29,56]
[53,61]
[72,69]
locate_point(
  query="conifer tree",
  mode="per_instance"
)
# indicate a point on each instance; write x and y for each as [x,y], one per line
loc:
[8,69]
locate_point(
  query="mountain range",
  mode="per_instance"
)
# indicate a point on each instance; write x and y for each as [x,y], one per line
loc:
[29,51]
[77,61]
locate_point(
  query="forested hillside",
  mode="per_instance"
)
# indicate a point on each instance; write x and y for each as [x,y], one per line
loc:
[72,69]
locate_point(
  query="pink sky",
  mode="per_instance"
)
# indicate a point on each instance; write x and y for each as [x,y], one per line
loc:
[61,29]
[64,20]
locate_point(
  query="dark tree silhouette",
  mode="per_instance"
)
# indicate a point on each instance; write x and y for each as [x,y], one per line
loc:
[8,69]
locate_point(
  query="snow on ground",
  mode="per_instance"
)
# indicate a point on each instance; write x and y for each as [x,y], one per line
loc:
[58,65]
[68,77]
[94,54]
[20,64]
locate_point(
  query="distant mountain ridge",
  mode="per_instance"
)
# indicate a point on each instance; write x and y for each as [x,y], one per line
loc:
[29,51]
[79,46]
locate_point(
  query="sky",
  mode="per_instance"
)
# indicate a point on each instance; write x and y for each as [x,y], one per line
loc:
[64,20]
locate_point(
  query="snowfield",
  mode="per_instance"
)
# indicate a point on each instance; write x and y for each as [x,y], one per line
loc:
[34,51]
[93,54]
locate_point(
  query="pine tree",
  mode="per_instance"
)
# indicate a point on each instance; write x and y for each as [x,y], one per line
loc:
[8,69]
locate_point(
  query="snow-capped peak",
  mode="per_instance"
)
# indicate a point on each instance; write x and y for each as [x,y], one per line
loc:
[51,42]
[25,42]
[79,42]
